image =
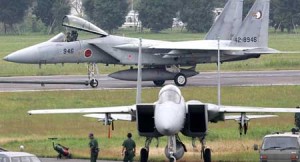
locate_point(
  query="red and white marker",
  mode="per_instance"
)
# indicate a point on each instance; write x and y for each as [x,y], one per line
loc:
[88,53]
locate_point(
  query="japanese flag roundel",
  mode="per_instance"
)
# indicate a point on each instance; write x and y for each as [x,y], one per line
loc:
[257,15]
[88,53]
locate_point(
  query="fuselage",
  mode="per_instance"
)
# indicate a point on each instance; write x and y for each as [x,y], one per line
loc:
[114,50]
[170,111]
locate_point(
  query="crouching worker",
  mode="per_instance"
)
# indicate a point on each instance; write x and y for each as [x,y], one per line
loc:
[93,148]
[128,150]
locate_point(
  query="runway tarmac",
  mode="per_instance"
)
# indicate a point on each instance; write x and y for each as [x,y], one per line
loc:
[70,160]
[242,78]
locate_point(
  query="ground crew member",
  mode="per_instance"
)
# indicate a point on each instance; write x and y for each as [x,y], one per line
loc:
[93,147]
[128,150]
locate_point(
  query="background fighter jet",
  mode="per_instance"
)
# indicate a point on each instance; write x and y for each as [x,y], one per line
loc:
[162,60]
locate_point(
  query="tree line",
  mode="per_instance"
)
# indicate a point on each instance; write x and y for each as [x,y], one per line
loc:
[155,15]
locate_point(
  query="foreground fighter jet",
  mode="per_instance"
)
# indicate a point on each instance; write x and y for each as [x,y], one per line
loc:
[162,60]
[171,115]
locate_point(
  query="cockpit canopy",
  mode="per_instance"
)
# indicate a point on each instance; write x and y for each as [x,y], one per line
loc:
[81,24]
[169,93]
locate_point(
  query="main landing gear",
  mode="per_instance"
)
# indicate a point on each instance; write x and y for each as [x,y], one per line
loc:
[144,153]
[205,152]
[179,79]
[92,67]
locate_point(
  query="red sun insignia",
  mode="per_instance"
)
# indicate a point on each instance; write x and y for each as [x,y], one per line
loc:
[257,14]
[88,53]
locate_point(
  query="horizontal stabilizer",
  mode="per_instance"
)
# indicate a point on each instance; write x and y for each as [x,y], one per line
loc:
[261,51]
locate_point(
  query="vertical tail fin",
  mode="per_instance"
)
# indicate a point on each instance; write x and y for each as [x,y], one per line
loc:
[228,22]
[254,30]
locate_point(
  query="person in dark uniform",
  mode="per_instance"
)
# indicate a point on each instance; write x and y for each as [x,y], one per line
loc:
[74,35]
[93,147]
[128,150]
[68,37]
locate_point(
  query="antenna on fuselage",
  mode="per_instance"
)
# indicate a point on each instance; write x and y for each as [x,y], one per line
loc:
[139,75]
[219,75]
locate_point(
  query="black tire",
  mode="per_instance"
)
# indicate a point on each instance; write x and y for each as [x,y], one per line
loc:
[94,83]
[207,155]
[180,79]
[171,160]
[144,155]
[159,82]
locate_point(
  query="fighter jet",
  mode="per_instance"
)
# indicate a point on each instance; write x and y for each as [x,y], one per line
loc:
[171,115]
[163,60]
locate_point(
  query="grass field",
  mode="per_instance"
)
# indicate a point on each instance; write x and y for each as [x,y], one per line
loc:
[280,41]
[16,127]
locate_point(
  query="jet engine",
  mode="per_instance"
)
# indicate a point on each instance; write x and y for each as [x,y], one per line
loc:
[180,149]
[145,120]
[196,120]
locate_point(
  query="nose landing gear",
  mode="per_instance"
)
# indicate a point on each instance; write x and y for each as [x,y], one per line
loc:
[92,67]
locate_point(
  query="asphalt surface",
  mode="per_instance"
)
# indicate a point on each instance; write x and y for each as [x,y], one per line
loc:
[242,78]
[70,160]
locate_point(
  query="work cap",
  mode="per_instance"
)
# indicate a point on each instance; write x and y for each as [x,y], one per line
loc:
[91,135]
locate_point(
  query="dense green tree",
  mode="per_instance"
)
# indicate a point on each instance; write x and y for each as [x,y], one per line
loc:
[197,14]
[286,14]
[51,12]
[157,14]
[107,14]
[12,12]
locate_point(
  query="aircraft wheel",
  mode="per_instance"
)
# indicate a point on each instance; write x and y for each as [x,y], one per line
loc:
[94,83]
[144,155]
[159,82]
[171,160]
[180,79]
[207,155]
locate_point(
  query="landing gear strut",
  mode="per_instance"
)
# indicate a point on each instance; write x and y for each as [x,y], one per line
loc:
[92,67]
[205,152]
[145,151]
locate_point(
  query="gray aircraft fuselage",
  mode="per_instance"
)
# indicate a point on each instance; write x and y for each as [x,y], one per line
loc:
[109,50]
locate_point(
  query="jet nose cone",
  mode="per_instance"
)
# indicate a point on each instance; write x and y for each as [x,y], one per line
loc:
[26,55]
[6,58]
[167,130]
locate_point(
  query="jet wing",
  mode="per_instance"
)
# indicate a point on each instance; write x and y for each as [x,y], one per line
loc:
[126,117]
[212,45]
[242,109]
[110,110]
[201,45]
[237,117]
